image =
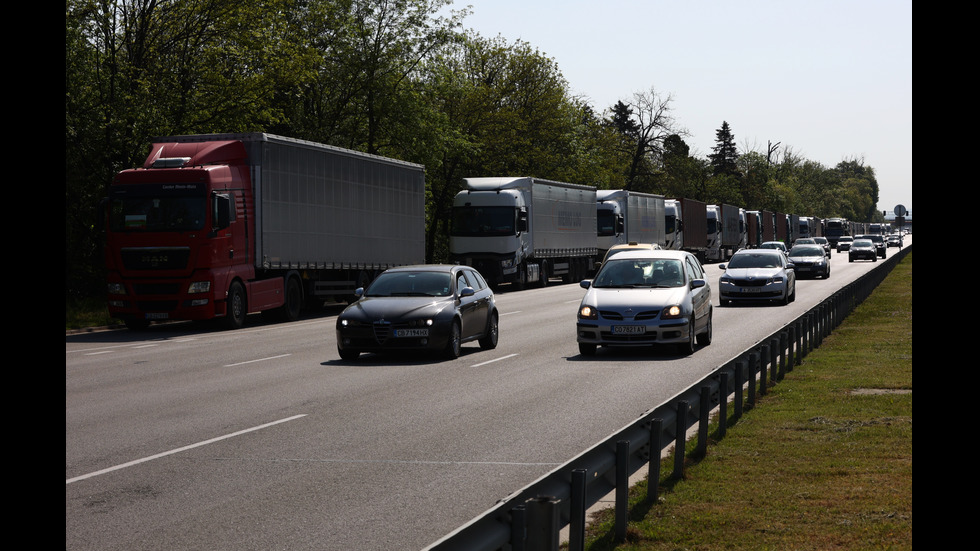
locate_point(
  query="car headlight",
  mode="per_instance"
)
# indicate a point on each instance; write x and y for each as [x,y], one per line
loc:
[671,312]
[725,280]
[588,313]
[420,323]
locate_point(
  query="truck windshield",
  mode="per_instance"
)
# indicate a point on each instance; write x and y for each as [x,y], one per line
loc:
[482,221]
[606,222]
[157,208]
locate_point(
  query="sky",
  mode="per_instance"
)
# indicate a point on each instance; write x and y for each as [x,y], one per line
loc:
[830,80]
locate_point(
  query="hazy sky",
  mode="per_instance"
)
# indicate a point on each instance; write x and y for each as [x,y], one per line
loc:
[829,79]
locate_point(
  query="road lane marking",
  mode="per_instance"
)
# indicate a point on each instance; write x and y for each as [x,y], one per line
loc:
[258,360]
[496,360]
[178,450]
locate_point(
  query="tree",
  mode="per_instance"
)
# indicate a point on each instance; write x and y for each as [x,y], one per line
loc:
[725,156]
[644,122]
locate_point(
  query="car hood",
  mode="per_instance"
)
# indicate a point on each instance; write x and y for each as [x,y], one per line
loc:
[615,298]
[753,273]
[395,308]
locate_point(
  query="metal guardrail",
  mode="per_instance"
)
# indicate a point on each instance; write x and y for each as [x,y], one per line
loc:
[531,518]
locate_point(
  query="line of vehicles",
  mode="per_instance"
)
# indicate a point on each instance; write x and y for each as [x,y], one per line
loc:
[223,225]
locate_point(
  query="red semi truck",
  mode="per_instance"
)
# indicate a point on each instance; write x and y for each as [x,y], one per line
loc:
[222,225]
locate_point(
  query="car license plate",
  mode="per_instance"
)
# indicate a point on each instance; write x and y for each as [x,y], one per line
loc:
[411,332]
[158,316]
[629,329]
[750,290]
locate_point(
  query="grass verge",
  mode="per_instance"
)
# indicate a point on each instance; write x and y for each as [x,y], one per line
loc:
[823,460]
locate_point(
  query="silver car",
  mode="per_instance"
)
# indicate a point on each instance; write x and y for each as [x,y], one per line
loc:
[756,275]
[643,298]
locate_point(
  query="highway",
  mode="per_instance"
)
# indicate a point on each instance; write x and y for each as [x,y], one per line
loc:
[186,437]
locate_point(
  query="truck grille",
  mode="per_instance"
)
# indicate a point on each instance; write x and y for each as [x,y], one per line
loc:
[175,258]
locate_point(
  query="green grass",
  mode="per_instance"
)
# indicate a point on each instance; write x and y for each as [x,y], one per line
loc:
[87,313]
[822,461]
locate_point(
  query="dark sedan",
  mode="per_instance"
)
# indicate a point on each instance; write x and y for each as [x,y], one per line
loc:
[809,261]
[862,249]
[879,242]
[430,307]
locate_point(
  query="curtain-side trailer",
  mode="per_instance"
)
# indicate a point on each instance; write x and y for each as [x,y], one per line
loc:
[222,225]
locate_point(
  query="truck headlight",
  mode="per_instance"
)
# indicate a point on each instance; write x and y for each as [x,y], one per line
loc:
[199,287]
[117,289]
[509,263]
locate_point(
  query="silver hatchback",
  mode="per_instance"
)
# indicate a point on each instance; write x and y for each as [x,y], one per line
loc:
[643,298]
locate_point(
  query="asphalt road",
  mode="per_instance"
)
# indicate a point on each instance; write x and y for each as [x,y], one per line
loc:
[183,437]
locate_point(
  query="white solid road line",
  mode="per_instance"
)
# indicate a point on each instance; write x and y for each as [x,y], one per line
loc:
[178,450]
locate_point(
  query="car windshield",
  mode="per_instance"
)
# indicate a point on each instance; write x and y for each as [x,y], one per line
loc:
[755,260]
[821,240]
[641,272]
[846,239]
[861,243]
[778,246]
[806,250]
[411,284]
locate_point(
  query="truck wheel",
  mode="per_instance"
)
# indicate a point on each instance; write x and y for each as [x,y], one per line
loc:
[293,303]
[543,274]
[237,306]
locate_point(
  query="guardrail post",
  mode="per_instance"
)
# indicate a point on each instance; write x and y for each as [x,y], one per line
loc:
[739,383]
[576,521]
[704,413]
[722,405]
[763,353]
[680,437]
[783,345]
[808,325]
[542,523]
[793,347]
[774,359]
[656,447]
[753,366]
[518,527]
[622,488]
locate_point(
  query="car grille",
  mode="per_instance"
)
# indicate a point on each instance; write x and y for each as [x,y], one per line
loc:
[382,330]
[618,316]
[749,282]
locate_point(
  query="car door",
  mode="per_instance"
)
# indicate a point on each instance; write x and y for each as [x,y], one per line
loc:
[700,297]
[469,306]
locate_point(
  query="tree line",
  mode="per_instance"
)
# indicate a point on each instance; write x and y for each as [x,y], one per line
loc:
[398,78]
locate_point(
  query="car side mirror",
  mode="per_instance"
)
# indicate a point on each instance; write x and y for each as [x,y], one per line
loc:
[585,283]
[466,292]
[697,283]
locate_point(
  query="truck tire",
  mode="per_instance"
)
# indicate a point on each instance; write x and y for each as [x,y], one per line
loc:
[293,302]
[237,307]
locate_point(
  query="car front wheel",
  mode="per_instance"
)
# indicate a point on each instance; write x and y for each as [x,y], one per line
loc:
[489,340]
[452,345]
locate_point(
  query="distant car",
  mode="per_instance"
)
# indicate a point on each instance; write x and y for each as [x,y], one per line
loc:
[894,240]
[428,307]
[631,246]
[757,274]
[805,241]
[822,241]
[644,298]
[862,249]
[879,242]
[844,243]
[778,245]
[809,261]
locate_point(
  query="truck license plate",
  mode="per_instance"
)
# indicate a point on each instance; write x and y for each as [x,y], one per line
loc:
[158,316]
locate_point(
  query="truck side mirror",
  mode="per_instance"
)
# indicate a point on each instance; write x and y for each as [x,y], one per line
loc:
[522,221]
